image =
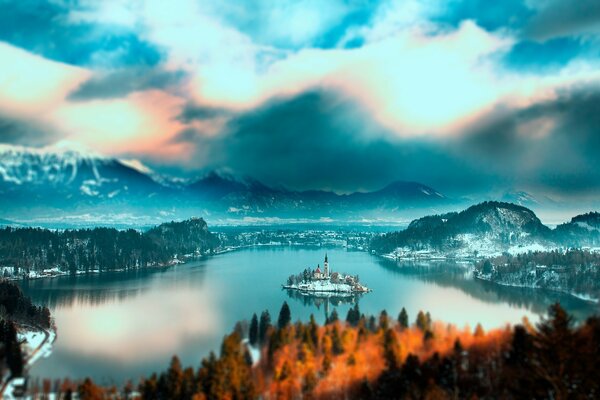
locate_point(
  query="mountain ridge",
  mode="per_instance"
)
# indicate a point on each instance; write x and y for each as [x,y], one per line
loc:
[61,179]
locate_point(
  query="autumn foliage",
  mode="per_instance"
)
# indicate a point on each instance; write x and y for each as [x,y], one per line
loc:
[383,357]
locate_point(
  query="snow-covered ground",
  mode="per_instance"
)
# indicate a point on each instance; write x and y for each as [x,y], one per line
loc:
[35,345]
[254,351]
[549,280]
[325,285]
[468,247]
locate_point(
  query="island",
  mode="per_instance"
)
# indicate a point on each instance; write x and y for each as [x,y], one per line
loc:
[325,281]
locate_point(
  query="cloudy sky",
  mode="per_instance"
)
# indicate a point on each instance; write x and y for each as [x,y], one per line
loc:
[467,96]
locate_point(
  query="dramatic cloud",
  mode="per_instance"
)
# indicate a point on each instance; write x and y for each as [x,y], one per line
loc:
[122,82]
[321,139]
[552,145]
[463,95]
[26,132]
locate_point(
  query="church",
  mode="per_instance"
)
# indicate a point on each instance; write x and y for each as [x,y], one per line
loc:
[318,274]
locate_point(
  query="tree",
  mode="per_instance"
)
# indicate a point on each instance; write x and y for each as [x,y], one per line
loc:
[333,317]
[174,378]
[313,330]
[403,318]
[391,350]
[554,349]
[384,321]
[309,382]
[89,391]
[421,321]
[265,324]
[372,323]
[285,316]
[336,341]
[353,315]
[253,333]
[479,332]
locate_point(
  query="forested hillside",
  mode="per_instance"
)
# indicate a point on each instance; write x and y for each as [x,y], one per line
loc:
[582,230]
[23,250]
[383,358]
[488,229]
[574,272]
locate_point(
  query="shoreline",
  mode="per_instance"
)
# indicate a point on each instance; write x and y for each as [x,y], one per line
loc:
[173,263]
[578,296]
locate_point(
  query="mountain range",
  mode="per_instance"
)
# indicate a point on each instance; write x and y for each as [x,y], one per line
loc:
[67,183]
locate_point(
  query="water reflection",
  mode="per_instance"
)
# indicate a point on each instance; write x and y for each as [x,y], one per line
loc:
[326,300]
[112,327]
[95,289]
[459,275]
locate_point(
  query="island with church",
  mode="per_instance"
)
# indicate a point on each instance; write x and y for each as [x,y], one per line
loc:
[325,281]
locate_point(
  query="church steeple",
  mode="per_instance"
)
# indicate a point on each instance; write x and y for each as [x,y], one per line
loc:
[326,266]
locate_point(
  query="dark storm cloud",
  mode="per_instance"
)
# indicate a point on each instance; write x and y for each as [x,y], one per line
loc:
[553,145]
[192,111]
[122,82]
[558,18]
[27,133]
[322,140]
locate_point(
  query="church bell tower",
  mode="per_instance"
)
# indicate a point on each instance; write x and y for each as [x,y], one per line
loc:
[326,266]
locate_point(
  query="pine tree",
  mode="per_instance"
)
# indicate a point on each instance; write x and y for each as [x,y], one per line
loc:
[372,323]
[89,391]
[333,317]
[253,334]
[479,332]
[384,321]
[391,350]
[174,378]
[353,315]
[421,321]
[313,330]
[403,318]
[285,316]
[265,324]
[336,341]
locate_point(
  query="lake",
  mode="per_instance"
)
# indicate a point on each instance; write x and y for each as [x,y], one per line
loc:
[124,325]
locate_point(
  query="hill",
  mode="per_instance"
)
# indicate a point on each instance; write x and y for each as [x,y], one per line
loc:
[582,230]
[482,229]
[34,252]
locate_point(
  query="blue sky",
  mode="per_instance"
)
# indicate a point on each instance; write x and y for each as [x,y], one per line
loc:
[464,95]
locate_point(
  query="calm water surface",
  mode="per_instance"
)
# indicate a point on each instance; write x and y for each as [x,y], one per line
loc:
[115,327]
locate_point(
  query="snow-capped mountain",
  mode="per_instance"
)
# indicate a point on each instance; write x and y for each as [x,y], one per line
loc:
[66,178]
[70,170]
